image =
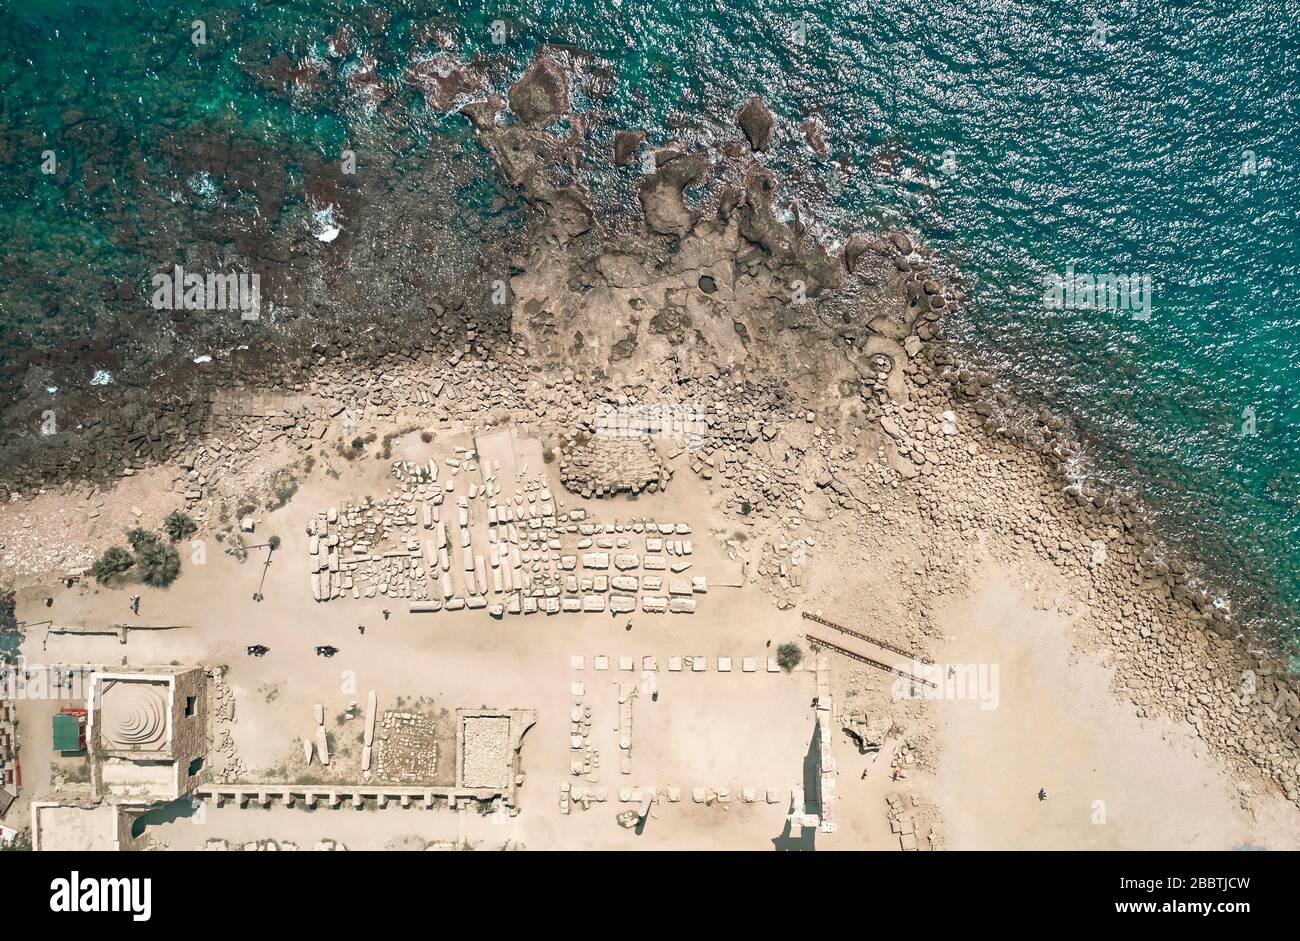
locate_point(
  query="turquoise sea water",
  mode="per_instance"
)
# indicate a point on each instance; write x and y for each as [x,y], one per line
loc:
[1152,139]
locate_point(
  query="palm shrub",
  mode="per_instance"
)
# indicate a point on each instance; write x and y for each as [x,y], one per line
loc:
[114,561]
[158,564]
[179,525]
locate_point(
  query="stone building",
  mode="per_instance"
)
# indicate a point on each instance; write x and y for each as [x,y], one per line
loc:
[147,743]
[147,734]
[70,824]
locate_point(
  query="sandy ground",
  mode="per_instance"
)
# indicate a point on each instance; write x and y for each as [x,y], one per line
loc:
[710,729]
[1113,780]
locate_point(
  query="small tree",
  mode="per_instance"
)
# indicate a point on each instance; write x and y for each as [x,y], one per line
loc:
[179,525]
[139,538]
[158,564]
[114,561]
[274,543]
[789,656]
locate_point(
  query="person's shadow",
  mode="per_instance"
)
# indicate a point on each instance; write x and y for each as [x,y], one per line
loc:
[804,841]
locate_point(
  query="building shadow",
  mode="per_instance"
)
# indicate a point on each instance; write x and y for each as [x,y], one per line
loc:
[805,839]
[181,809]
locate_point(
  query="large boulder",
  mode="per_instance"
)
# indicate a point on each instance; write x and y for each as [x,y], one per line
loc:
[857,245]
[661,194]
[626,144]
[756,121]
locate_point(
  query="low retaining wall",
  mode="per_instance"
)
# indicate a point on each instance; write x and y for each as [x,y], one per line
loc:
[335,796]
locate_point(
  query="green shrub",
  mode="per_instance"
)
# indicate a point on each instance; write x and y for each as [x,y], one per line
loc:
[158,564]
[139,538]
[114,561]
[789,656]
[179,525]
[283,486]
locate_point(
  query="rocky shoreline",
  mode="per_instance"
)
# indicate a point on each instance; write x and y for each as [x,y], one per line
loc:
[812,370]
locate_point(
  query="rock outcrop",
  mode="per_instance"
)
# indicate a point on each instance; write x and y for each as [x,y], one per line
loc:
[541,95]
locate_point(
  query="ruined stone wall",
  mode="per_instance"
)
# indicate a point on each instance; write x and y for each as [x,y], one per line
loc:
[189,732]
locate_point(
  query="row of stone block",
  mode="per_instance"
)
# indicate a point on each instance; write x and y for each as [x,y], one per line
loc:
[519,603]
[677,664]
[672,794]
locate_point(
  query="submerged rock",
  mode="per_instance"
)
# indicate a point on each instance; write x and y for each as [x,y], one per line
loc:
[441,80]
[812,133]
[533,160]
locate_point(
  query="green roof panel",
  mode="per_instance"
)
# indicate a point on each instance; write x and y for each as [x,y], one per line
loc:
[67,732]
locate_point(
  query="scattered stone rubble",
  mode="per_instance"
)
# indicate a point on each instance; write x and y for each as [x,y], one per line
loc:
[584,758]
[227,767]
[267,846]
[408,748]
[517,553]
[603,467]
[902,822]
[485,752]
